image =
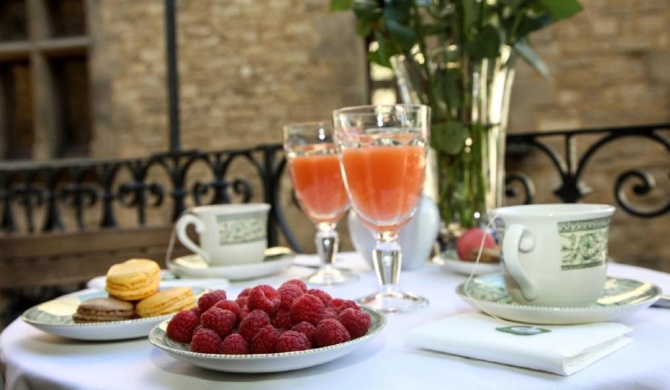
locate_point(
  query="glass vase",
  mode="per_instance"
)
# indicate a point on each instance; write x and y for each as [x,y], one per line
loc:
[469,100]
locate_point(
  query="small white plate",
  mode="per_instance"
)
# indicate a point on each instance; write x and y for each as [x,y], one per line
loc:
[169,279]
[193,266]
[452,263]
[55,317]
[622,297]
[260,363]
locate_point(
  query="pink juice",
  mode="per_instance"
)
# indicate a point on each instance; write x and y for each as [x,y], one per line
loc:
[317,181]
[385,183]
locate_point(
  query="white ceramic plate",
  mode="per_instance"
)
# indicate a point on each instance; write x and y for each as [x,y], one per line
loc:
[169,279]
[451,262]
[622,297]
[193,266]
[55,317]
[264,362]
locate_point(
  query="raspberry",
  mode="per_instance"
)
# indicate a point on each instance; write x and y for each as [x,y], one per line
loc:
[205,341]
[264,297]
[307,329]
[196,310]
[229,305]
[244,310]
[357,322]
[234,344]
[243,296]
[330,312]
[208,299]
[289,294]
[343,304]
[252,323]
[265,339]
[330,332]
[322,295]
[181,326]
[219,320]
[307,308]
[296,283]
[292,341]
[282,320]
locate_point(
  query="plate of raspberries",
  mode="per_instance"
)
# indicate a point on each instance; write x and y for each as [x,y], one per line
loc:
[267,329]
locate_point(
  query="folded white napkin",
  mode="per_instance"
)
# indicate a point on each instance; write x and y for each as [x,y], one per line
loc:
[562,350]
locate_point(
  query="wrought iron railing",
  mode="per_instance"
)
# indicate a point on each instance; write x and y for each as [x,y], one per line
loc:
[649,146]
[42,196]
[79,195]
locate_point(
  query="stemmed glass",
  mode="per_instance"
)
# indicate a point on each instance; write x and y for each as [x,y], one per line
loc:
[317,182]
[383,151]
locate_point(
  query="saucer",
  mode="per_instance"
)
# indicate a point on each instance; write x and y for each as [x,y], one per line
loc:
[168,279]
[194,266]
[622,297]
[451,262]
[55,317]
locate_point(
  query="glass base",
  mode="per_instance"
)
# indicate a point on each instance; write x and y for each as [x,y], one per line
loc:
[330,276]
[393,301]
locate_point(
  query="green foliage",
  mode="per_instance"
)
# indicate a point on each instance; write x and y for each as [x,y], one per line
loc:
[480,27]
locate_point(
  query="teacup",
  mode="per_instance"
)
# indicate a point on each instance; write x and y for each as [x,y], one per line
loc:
[554,254]
[228,233]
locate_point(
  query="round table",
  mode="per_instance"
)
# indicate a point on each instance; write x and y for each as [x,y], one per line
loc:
[33,359]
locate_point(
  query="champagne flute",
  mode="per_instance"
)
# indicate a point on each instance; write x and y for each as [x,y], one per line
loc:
[317,182]
[383,152]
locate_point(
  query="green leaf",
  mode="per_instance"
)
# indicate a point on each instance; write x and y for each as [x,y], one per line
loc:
[403,35]
[398,11]
[448,137]
[340,5]
[363,27]
[529,24]
[525,51]
[470,13]
[486,44]
[561,9]
[512,4]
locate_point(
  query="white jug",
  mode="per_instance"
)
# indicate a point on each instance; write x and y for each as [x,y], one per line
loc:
[416,239]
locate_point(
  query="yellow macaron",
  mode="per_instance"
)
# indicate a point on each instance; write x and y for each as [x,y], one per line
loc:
[166,301]
[133,280]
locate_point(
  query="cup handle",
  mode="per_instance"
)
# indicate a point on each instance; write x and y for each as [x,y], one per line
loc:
[518,239]
[200,228]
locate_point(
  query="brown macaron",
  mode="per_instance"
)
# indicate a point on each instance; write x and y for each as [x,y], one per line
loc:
[166,301]
[133,280]
[104,309]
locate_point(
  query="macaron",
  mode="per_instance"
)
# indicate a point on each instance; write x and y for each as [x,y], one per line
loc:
[166,301]
[104,309]
[133,280]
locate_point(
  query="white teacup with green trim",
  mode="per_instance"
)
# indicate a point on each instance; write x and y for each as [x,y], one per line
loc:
[554,254]
[229,234]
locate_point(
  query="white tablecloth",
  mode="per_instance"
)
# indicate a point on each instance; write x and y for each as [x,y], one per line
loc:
[32,359]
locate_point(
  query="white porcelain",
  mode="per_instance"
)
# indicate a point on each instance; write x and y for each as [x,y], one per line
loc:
[228,233]
[416,239]
[554,254]
[55,317]
[195,267]
[621,298]
[451,262]
[260,363]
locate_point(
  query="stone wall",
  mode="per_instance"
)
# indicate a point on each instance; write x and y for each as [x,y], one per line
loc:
[247,67]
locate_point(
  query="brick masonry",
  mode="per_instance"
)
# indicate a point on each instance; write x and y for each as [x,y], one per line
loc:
[247,67]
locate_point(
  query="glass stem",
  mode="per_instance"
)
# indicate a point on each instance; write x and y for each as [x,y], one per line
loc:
[327,241]
[387,260]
